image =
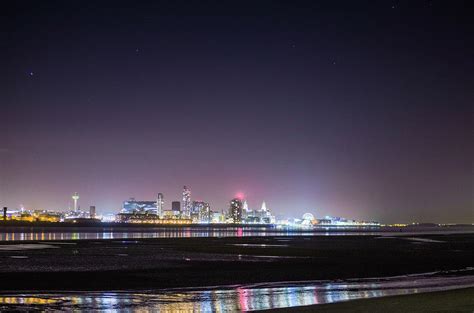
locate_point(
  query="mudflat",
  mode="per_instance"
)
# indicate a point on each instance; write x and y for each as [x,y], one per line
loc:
[187,262]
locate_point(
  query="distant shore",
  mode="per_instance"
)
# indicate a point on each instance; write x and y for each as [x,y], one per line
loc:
[18,225]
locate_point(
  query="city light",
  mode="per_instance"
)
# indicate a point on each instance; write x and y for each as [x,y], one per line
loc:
[186,212]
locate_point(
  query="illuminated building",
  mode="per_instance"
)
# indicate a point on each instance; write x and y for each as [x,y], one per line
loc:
[235,210]
[201,212]
[132,205]
[145,218]
[47,216]
[75,197]
[340,221]
[187,205]
[160,202]
[245,210]
[262,216]
[170,214]
[217,217]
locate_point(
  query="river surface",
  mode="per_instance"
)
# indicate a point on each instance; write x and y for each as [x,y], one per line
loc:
[82,233]
[240,298]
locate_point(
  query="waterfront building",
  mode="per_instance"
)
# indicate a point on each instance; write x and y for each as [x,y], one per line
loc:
[217,217]
[171,214]
[145,218]
[340,221]
[160,204]
[200,212]
[131,205]
[262,216]
[235,210]
[204,212]
[34,216]
[245,210]
[187,205]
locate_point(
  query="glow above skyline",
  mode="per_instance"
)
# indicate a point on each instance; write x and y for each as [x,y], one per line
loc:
[368,117]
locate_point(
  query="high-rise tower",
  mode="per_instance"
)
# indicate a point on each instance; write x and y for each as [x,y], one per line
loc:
[186,207]
[235,210]
[75,197]
[160,202]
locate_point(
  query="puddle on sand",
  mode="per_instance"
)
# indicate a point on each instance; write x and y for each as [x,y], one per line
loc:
[256,245]
[32,246]
[421,239]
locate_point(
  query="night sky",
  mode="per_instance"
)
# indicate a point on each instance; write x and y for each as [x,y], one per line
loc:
[345,108]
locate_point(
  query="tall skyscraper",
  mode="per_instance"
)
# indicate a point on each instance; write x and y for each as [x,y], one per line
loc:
[176,206]
[235,210]
[186,207]
[264,207]
[160,202]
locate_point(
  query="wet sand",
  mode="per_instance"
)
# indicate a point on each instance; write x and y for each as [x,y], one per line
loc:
[187,262]
[452,301]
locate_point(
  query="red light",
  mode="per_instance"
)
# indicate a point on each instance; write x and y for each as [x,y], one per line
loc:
[240,195]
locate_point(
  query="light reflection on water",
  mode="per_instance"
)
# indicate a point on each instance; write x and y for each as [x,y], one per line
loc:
[186,232]
[231,299]
[123,232]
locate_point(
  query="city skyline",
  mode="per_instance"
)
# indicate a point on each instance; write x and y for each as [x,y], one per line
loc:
[237,156]
[332,108]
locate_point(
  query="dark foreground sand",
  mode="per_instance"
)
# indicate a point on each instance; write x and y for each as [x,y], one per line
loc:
[460,300]
[163,263]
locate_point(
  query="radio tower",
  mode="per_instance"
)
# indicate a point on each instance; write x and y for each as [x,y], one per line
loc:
[75,197]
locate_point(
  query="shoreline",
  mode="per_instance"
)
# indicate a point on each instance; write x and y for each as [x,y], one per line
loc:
[307,297]
[455,300]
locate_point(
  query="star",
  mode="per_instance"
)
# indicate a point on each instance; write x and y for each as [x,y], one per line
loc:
[31,73]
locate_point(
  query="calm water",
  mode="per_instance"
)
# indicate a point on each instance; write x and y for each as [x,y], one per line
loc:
[236,298]
[80,233]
